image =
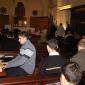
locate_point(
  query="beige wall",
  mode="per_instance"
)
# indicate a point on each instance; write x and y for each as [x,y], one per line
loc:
[40,5]
[53,8]
[44,8]
[73,2]
[64,15]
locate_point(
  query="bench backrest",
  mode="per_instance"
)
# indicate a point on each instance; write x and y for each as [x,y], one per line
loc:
[29,80]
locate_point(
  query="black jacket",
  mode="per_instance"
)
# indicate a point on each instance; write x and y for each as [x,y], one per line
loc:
[51,62]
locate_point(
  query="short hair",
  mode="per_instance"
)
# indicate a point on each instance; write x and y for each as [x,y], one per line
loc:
[72,72]
[53,44]
[23,34]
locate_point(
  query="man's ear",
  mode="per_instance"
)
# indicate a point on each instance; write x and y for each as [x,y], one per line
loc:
[63,80]
[48,48]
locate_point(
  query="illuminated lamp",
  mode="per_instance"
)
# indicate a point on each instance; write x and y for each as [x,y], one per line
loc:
[64,7]
[25,22]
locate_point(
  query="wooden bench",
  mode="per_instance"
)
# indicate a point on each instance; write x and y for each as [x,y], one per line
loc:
[33,80]
[29,80]
[8,53]
[3,74]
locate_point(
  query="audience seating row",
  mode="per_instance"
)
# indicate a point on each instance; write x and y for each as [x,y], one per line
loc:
[34,80]
[29,80]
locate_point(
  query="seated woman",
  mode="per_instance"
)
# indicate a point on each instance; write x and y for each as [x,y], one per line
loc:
[71,74]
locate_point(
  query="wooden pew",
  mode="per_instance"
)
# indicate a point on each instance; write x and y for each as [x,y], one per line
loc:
[29,80]
[6,56]
[8,53]
[33,80]
[3,74]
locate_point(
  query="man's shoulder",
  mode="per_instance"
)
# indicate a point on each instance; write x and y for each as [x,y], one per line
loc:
[56,57]
[28,44]
[79,55]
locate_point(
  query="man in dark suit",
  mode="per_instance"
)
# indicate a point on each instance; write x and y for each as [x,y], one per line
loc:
[52,64]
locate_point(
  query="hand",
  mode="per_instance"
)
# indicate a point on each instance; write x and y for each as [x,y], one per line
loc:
[1,67]
[4,65]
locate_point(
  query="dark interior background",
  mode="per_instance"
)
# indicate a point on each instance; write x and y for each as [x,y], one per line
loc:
[78,19]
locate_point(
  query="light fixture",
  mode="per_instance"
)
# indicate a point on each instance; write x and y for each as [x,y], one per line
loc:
[25,22]
[64,7]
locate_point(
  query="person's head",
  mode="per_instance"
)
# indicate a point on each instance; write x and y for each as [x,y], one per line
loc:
[61,24]
[23,37]
[71,74]
[10,34]
[52,45]
[81,44]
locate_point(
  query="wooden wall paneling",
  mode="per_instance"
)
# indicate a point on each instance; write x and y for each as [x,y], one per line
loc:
[4,20]
[39,22]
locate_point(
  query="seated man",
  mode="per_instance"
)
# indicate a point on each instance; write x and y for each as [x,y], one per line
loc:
[71,74]
[9,43]
[52,64]
[24,62]
[80,56]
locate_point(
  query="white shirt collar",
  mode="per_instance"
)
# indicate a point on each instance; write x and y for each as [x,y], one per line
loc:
[54,53]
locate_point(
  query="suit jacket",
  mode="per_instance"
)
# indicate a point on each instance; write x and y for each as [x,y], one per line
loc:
[52,64]
[80,59]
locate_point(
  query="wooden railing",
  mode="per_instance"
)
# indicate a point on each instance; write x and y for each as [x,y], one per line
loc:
[29,80]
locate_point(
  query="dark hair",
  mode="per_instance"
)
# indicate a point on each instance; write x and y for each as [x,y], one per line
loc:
[72,72]
[53,43]
[24,34]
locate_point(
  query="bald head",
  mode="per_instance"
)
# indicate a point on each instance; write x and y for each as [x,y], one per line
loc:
[81,44]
